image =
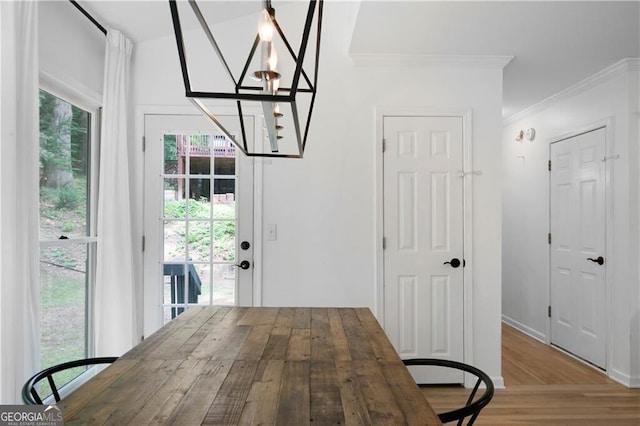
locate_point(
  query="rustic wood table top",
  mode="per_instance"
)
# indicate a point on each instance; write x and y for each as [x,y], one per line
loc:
[256,366]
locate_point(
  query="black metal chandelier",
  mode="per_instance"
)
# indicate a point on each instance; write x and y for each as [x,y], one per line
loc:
[284,91]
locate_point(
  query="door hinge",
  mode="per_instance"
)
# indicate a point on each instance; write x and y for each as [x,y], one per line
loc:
[384,145]
[144,240]
[384,243]
[549,311]
[144,144]
[549,165]
[549,237]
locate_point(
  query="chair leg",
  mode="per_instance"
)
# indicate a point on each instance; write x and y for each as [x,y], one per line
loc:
[36,397]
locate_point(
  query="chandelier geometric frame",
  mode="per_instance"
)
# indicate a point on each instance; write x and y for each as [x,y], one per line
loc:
[269,94]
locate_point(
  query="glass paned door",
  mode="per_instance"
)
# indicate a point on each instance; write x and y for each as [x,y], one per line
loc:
[199,191]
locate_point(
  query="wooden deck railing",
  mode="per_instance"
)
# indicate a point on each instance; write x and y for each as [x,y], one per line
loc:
[222,147]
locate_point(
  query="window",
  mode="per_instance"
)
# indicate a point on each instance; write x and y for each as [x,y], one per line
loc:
[67,235]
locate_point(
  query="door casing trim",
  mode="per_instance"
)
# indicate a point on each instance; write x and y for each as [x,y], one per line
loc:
[466,115]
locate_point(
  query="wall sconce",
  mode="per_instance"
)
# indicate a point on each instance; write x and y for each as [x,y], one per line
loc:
[528,134]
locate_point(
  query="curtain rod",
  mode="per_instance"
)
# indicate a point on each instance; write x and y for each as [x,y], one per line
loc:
[88,15]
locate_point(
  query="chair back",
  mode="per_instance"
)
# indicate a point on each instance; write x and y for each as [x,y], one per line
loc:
[30,394]
[472,407]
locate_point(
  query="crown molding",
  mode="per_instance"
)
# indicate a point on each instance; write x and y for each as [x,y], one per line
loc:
[609,73]
[420,60]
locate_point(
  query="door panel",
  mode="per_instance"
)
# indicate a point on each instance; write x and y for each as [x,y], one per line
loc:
[423,229]
[198,208]
[577,203]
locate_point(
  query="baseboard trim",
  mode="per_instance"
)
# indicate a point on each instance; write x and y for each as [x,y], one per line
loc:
[498,382]
[525,329]
[624,379]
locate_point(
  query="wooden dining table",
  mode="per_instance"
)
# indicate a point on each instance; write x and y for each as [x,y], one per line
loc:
[256,366]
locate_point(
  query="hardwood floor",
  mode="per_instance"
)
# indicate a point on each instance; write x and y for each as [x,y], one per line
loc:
[545,386]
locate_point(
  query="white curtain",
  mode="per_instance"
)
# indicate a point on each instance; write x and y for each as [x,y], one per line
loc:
[19,218]
[114,295]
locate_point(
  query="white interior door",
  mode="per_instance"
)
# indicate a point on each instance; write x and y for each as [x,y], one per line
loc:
[198,217]
[577,203]
[423,229]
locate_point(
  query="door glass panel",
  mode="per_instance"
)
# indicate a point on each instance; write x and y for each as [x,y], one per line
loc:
[224,278]
[225,156]
[199,228]
[223,149]
[224,246]
[200,154]
[200,191]
[175,248]
[174,201]
[178,291]
[173,148]
[204,273]
[224,199]
[199,240]
[224,166]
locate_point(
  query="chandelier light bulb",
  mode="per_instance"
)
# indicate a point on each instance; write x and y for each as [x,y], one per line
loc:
[276,110]
[272,60]
[257,83]
[265,26]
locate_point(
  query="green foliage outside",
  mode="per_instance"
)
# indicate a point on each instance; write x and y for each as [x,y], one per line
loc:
[222,230]
[63,210]
[69,198]
[58,202]
[62,305]
[170,152]
[198,209]
[54,131]
[64,166]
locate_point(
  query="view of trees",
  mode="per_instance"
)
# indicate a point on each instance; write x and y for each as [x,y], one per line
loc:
[64,174]
[63,150]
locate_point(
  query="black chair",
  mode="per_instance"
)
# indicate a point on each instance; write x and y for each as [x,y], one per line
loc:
[30,395]
[471,408]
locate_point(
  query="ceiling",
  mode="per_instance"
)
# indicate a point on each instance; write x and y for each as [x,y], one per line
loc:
[555,44]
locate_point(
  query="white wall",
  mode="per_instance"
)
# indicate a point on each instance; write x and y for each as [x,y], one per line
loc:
[71,48]
[611,94]
[325,205]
